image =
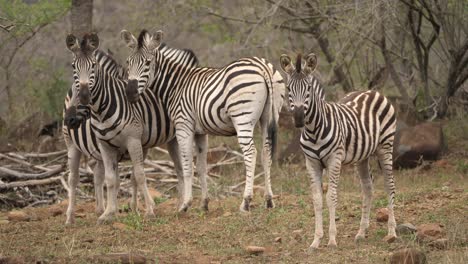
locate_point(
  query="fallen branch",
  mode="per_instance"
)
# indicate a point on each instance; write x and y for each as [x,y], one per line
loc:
[23,162]
[45,155]
[20,175]
[29,183]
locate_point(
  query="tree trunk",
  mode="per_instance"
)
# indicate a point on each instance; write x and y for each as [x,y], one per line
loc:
[81,17]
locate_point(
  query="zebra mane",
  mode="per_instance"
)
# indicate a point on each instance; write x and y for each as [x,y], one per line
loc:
[141,38]
[187,54]
[109,64]
[298,63]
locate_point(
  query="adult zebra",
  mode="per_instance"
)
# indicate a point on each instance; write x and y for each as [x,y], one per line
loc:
[361,125]
[82,140]
[119,126]
[227,101]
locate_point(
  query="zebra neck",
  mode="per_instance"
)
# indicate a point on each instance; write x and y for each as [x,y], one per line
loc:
[168,78]
[107,97]
[316,118]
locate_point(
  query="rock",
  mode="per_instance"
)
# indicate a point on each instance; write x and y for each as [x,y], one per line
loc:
[80,215]
[123,258]
[408,256]
[4,222]
[424,140]
[382,215]
[18,216]
[429,232]
[55,211]
[297,234]
[406,229]
[441,243]
[278,239]
[255,250]
[227,214]
[389,239]
[119,226]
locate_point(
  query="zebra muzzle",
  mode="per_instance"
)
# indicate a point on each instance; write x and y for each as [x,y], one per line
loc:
[132,91]
[71,120]
[299,116]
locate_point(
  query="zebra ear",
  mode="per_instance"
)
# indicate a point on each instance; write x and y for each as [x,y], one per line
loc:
[311,63]
[72,43]
[128,38]
[156,40]
[286,64]
[93,42]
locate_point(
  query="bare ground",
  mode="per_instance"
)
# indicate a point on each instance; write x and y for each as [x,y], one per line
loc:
[431,194]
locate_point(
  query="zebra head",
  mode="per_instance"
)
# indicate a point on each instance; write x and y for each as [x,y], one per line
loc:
[139,61]
[84,67]
[299,83]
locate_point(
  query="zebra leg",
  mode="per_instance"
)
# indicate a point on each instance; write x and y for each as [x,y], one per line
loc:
[98,173]
[134,199]
[334,171]
[109,158]
[385,160]
[137,155]
[74,156]
[173,149]
[185,141]
[201,142]
[366,187]
[315,173]
[245,138]
[266,162]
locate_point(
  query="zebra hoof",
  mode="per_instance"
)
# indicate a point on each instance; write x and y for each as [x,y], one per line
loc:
[183,208]
[359,238]
[245,205]
[269,203]
[204,204]
[105,219]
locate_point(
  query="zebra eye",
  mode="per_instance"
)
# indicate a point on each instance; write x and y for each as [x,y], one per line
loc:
[147,62]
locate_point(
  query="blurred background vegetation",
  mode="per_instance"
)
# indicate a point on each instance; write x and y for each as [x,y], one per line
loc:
[414,51]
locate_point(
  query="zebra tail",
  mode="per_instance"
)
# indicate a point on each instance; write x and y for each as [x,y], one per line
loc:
[272,126]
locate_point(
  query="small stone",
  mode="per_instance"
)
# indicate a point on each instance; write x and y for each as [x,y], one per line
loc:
[80,215]
[4,222]
[297,234]
[255,250]
[458,190]
[441,243]
[278,239]
[429,232]
[389,239]
[18,216]
[55,211]
[227,214]
[382,215]
[408,256]
[120,226]
[405,229]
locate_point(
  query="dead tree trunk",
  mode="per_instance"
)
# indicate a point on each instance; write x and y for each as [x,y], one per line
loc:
[81,17]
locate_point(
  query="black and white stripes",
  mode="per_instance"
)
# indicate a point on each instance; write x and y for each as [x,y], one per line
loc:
[361,125]
[226,101]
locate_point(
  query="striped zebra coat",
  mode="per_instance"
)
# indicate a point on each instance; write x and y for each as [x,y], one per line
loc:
[360,125]
[82,140]
[225,101]
[120,127]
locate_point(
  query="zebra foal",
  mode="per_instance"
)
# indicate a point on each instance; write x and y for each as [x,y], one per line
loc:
[334,134]
[227,101]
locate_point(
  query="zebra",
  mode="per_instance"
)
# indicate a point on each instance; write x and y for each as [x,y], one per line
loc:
[82,140]
[119,126]
[350,131]
[225,101]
